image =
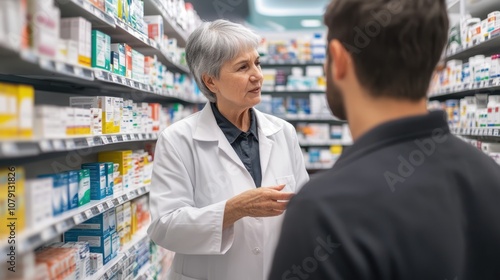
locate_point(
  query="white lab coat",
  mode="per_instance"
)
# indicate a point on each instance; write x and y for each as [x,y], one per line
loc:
[195,172]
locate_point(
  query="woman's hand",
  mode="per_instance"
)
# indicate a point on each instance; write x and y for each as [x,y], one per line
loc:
[260,202]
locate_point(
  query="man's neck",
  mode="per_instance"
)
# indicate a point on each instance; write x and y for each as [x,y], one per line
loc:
[368,114]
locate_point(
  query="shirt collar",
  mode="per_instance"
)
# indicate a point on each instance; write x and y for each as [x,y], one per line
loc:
[229,129]
[397,131]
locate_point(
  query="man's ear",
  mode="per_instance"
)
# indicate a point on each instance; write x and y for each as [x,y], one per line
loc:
[340,59]
[209,83]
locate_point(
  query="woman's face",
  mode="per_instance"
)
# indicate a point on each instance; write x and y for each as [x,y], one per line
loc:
[240,81]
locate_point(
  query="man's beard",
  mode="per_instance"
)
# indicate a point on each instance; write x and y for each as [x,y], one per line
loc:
[334,95]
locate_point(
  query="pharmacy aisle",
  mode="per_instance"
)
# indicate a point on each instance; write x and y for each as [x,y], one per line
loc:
[468,87]
[85,87]
[294,89]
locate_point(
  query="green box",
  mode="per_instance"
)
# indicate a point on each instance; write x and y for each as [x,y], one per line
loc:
[119,49]
[83,187]
[101,50]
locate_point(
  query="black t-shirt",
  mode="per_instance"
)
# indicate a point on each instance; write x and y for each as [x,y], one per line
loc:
[408,201]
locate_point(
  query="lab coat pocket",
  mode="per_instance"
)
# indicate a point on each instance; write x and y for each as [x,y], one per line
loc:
[289,182]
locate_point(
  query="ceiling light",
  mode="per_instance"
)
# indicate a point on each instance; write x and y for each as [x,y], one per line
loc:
[310,23]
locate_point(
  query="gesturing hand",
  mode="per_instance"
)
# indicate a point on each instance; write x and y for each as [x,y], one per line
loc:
[260,202]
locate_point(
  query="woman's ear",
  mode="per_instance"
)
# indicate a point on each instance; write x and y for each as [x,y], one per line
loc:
[210,83]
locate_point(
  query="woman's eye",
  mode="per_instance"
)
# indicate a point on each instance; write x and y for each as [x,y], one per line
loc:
[243,67]
[257,63]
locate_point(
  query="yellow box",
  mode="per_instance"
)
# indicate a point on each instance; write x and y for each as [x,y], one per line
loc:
[133,222]
[8,111]
[25,110]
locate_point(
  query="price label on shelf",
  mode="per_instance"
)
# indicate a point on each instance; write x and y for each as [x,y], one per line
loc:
[495,132]
[100,207]
[132,137]
[114,78]
[88,213]
[120,200]
[78,71]
[104,140]
[139,136]
[125,197]
[58,145]
[105,206]
[70,144]
[111,204]
[496,82]
[114,139]
[78,219]
[90,142]
[45,146]
[144,136]
[62,226]
[125,137]
[95,211]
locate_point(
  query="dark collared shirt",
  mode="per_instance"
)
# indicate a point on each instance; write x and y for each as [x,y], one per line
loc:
[405,191]
[245,144]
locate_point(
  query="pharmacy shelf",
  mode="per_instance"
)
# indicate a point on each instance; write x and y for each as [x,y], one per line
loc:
[320,143]
[268,62]
[27,148]
[171,28]
[119,31]
[112,267]
[488,47]
[143,273]
[477,132]
[30,239]
[278,90]
[85,9]
[491,86]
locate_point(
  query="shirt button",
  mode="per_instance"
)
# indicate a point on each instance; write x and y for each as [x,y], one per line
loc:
[256,251]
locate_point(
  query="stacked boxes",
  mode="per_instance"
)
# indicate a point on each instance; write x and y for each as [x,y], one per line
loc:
[119,52]
[73,186]
[155,27]
[16,111]
[123,158]
[50,121]
[77,31]
[137,66]
[109,166]
[82,257]
[107,105]
[44,22]
[98,232]
[98,177]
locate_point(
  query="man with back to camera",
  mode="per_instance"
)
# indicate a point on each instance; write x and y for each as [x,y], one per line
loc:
[408,200]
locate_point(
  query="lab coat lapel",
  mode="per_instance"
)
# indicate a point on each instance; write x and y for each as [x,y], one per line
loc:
[208,130]
[266,130]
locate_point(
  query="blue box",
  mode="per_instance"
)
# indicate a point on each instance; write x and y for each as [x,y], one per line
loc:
[103,224]
[72,189]
[97,180]
[60,192]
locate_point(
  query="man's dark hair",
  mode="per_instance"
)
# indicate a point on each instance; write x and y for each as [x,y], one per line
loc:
[395,44]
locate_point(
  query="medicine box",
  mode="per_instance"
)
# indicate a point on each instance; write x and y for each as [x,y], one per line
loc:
[109,178]
[72,189]
[25,110]
[103,224]
[127,222]
[119,49]
[105,103]
[50,121]
[155,27]
[83,269]
[8,111]
[39,194]
[128,61]
[97,180]
[96,121]
[120,223]
[59,192]
[111,7]
[115,244]
[123,158]
[83,187]
[97,243]
[70,120]
[101,49]
[77,30]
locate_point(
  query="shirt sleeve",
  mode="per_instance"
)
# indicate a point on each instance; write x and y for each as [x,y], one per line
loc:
[177,224]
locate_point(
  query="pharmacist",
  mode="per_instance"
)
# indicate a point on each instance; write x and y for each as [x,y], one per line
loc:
[223,176]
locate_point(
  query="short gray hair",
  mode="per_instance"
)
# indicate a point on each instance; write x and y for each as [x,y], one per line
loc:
[214,43]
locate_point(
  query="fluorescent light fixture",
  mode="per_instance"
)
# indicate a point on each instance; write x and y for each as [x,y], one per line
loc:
[297,8]
[310,23]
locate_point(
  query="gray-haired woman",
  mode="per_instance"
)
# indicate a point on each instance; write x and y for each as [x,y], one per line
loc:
[207,202]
